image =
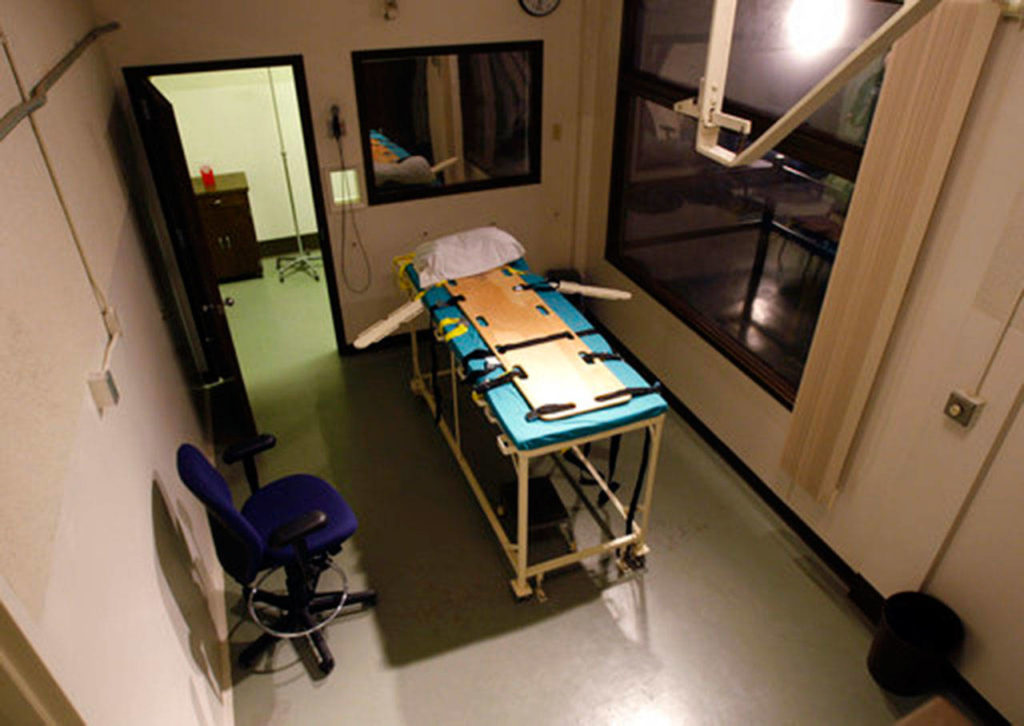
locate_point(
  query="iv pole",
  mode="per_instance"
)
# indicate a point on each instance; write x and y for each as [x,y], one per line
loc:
[302,261]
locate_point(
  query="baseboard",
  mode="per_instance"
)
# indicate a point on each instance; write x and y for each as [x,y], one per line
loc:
[285,245]
[960,690]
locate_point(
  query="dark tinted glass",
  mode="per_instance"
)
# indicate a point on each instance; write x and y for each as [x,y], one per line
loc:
[746,251]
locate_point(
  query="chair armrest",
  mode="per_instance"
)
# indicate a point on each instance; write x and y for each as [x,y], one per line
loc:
[299,527]
[244,449]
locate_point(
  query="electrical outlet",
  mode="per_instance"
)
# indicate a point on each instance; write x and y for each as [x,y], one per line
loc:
[962,407]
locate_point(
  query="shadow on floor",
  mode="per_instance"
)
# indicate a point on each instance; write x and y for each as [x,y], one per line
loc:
[422,535]
[184,596]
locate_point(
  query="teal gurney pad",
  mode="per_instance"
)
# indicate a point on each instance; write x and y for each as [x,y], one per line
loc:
[507,403]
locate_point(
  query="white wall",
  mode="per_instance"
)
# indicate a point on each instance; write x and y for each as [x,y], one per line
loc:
[226,121]
[540,215]
[980,577]
[125,612]
[908,455]
[911,468]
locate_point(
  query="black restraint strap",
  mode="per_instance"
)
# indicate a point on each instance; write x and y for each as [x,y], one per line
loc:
[478,354]
[548,409]
[613,458]
[590,356]
[446,303]
[473,376]
[639,481]
[536,286]
[588,331]
[634,392]
[533,341]
[501,380]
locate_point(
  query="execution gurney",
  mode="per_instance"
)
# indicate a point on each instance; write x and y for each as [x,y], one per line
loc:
[551,384]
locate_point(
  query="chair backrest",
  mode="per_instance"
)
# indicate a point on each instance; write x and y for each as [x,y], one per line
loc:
[240,547]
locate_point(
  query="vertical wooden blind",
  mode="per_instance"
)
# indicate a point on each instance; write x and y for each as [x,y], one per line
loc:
[929,80]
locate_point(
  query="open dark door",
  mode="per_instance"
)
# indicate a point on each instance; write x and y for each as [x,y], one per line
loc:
[222,377]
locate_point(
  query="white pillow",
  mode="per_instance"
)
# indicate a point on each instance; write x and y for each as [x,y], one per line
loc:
[462,254]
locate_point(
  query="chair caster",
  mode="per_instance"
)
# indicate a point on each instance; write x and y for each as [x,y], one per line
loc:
[324,659]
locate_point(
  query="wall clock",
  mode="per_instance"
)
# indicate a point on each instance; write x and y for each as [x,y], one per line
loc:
[539,8]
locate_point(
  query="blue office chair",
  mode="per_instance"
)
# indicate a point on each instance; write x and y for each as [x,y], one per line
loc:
[297,523]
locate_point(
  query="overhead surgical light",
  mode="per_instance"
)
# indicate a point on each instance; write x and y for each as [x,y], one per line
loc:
[814,26]
[707,106]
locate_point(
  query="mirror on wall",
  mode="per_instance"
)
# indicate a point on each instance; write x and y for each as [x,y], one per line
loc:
[449,119]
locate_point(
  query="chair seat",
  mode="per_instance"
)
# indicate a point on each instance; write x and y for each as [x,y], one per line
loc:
[285,499]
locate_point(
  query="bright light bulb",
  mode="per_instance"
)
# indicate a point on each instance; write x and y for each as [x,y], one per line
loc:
[814,26]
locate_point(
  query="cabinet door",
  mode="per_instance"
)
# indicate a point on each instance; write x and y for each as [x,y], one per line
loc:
[230,235]
[212,220]
[240,240]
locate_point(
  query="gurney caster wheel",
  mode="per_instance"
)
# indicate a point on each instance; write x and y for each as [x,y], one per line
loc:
[629,561]
[634,561]
[521,594]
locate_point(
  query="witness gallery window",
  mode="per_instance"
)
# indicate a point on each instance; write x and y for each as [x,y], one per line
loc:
[743,255]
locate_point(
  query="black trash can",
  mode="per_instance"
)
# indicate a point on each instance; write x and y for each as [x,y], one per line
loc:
[915,638]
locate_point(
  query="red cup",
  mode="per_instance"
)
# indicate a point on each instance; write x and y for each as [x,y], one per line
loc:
[207,174]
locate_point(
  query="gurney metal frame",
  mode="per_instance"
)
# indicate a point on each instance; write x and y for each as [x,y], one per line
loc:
[630,548]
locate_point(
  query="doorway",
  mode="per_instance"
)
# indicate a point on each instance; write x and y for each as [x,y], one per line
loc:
[231,148]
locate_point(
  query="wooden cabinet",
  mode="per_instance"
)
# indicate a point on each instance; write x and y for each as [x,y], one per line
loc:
[226,220]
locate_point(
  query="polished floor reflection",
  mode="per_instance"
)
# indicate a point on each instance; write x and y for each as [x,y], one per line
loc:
[761,289]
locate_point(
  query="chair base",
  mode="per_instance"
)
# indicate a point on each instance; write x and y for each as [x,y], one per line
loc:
[303,620]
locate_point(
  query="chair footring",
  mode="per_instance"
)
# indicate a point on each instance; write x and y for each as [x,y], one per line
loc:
[272,598]
[303,619]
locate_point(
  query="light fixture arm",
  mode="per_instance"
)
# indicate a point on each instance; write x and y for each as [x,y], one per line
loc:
[707,107]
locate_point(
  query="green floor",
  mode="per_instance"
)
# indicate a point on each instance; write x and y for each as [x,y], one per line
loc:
[735,621]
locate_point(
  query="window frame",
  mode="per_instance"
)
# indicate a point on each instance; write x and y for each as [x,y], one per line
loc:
[805,143]
[534,50]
